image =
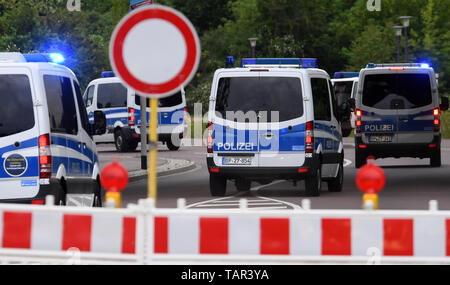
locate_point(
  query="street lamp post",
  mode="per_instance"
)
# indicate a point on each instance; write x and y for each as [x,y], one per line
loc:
[253,45]
[406,22]
[398,33]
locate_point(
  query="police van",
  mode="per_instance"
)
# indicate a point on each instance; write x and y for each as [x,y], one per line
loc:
[274,119]
[46,143]
[398,113]
[122,107]
[345,87]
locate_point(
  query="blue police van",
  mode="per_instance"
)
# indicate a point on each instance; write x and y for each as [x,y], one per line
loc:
[274,119]
[122,107]
[46,144]
[398,113]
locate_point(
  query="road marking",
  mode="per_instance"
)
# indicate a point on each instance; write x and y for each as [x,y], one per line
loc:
[347,162]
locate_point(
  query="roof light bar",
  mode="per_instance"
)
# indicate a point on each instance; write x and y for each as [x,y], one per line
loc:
[280,62]
[394,65]
[108,74]
[340,75]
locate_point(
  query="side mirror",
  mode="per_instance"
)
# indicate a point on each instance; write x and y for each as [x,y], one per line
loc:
[99,127]
[352,104]
[444,104]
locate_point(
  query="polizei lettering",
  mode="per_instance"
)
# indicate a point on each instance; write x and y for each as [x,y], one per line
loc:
[379,128]
[238,147]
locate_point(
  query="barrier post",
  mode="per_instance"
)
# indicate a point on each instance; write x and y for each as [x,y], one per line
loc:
[114,179]
[152,170]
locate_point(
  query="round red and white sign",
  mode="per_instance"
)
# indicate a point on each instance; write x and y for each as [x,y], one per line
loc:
[155,50]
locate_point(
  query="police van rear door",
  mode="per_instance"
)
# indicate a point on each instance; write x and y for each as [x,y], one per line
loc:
[282,122]
[19,136]
[236,120]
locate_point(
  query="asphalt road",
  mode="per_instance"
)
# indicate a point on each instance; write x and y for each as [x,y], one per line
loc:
[411,183]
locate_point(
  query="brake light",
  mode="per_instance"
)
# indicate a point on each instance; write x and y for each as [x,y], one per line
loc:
[45,157]
[210,137]
[358,122]
[131,117]
[437,119]
[309,137]
[185,114]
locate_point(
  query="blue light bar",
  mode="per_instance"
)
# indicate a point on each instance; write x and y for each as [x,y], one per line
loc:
[309,62]
[44,57]
[424,65]
[371,65]
[300,62]
[340,75]
[230,62]
[108,74]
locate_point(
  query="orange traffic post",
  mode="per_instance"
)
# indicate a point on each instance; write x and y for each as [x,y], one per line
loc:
[370,180]
[114,179]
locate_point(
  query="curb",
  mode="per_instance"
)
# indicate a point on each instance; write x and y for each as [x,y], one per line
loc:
[186,165]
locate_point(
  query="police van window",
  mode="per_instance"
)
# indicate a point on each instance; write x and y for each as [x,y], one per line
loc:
[16,112]
[261,94]
[89,97]
[111,95]
[397,91]
[321,98]
[171,101]
[61,104]
[82,108]
[343,91]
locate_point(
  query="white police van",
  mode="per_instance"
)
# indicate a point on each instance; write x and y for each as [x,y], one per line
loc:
[46,143]
[345,87]
[398,113]
[123,113]
[274,119]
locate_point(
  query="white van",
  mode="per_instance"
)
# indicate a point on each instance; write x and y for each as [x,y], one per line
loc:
[123,113]
[274,119]
[46,143]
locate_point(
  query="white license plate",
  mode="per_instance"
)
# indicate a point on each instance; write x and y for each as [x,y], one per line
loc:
[237,161]
[380,139]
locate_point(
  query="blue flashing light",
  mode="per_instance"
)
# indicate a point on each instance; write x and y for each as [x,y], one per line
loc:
[57,57]
[230,62]
[108,74]
[309,62]
[371,65]
[341,75]
[424,65]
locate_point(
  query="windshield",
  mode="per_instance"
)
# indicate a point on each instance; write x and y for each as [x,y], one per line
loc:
[16,111]
[262,95]
[171,101]
[397,91]
[343,91]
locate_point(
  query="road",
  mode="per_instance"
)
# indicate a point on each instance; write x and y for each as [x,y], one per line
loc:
[411,183]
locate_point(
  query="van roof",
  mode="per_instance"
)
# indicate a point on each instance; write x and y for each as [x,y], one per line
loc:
[272,69]
[38,66]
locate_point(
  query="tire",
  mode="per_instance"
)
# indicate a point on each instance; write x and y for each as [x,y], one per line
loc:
[97,195]
[435,158]
[61,194]
[173,145]
[243,185]
[336,184]
[132,146]
[313,183]
[120,141]
[360,159]
[217,185]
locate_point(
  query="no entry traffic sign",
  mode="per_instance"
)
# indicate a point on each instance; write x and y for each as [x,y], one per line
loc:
[155,50]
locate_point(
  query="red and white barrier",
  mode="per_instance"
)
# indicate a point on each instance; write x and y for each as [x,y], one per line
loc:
[57,229]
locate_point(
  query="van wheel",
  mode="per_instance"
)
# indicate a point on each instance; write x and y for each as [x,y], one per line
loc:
[335,185]
[360,160]
[132,146]
[435,158]
[173,145]
[97,195]
[119,141]
[217,185]
[61,195]
[243,185]
[313,183]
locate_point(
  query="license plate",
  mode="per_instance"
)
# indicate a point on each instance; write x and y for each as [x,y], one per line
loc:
[237,161]
[380,139]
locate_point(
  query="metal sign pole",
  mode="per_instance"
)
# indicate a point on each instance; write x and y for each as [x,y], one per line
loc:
[152,174]
[143,133]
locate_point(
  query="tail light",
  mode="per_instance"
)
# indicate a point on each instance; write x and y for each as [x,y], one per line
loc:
[45,157]
[131,117]
[437,119]
[358,122]
[309,137]
[210,137]
[185,114]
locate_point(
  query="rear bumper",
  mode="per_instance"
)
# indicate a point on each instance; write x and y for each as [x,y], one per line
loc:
[422,150]
[44,191]
[263,173]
